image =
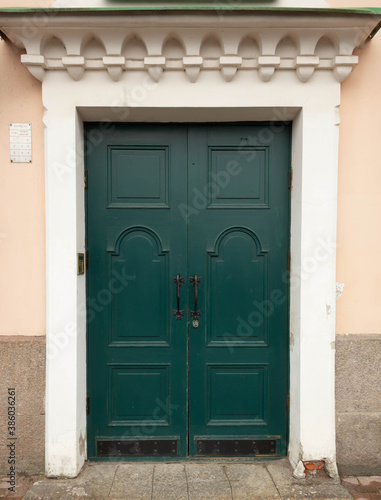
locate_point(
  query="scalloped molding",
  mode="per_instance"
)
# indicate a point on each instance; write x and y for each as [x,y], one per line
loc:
[192,33]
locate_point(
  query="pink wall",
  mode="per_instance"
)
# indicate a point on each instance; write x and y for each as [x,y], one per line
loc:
[22,244]
[359,206]
[22,198]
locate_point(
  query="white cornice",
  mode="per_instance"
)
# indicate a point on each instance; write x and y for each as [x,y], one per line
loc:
[114,32]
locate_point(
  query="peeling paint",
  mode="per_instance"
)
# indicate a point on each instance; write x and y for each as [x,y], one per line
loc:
[328,309]
[82,445]
[337,116]
[292,340]
[299,471]
[331,468]
[339,289]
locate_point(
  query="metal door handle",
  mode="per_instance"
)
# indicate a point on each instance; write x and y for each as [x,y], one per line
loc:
[196,280]
[179,281]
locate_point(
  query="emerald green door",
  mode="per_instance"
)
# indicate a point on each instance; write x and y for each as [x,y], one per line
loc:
[187,308]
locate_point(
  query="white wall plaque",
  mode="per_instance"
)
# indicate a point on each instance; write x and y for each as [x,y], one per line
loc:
[20,137]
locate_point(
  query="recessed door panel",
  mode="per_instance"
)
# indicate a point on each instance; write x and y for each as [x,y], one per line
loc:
[238,286]
[140,311]
[133,380]
[238,176]
[229,386]
[138,177]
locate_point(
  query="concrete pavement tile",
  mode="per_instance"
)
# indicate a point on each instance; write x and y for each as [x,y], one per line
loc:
[23,483]
[351,480]
[93,482]
[370,483]
[250,482]
[371,478]
[96,479]
[365,484]
[291,488]
[207,482]
[133,481]
[49,489]
[169,482]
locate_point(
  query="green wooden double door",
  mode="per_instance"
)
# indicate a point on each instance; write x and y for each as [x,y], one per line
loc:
[187,295]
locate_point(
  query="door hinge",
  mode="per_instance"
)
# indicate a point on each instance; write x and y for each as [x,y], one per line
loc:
[289,179]
[87,260]
[85,178]
[288,260]
[87,405]
[288,405]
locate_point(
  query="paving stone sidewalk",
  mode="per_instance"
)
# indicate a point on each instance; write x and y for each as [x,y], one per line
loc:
[23,483]
[188,481]
[364,487]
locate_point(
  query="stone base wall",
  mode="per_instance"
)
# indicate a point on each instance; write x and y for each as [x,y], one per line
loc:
[358,404]
[22,367]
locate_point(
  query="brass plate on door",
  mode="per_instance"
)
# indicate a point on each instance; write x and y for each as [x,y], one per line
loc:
[80,263]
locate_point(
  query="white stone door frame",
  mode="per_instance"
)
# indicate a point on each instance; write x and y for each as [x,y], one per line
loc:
[91,86]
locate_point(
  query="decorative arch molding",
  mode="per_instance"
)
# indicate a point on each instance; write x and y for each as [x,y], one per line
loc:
[237,231]
[74,29]
[137,231]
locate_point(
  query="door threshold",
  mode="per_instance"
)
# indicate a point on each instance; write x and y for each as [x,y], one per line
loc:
[187,459]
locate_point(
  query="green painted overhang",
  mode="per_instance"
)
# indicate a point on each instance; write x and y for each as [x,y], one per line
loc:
[197,5]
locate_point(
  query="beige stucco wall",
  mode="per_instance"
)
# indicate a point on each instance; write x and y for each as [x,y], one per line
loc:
[22,224]
[359,205]
[22,247]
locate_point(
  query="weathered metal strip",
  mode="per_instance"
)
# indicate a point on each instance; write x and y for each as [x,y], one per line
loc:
[136,447]
[236,447]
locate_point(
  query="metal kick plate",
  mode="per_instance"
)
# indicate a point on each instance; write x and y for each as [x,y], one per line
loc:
[136,447]
[236,447]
